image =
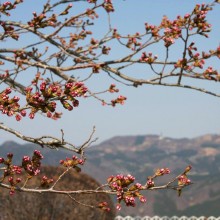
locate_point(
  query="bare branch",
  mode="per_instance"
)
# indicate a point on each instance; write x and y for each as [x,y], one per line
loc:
[43,141]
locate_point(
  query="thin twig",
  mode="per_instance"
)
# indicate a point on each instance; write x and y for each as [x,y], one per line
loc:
[60,177]
[80,203]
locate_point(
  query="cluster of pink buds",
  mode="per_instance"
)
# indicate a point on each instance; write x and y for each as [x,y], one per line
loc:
[10,168]
[211,74]
[113,88]
[2,160]
[65,12]
[73,162]
[162,171]
[16,169]
[94,41]
[172,30]
[150,183]
[191,48]
[10,171]
[4,8]
[129,201]
[108,6]
[7,6]
[198,62]
[91,13]
[21,55]
[40,21]
[199,19]
[50,90]
[148,58]
[9,31]
[183,180]
[120,100]
[115,34]
[42,100]
[104,206]
[133,43]
[154,30]
[168,41]
[120,181]
[72,44]
[45,181]
[126,190]
[182,63]
[81,36]
[10,106]
[105,50]
[32,165]
[215,52]
[13,182]
[96,68]
[4,75]
[206,55]
[75,89]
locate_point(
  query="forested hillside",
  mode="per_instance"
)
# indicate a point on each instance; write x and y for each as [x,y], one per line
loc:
[141,155]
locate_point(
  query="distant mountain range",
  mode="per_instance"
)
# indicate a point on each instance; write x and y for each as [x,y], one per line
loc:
[140,156]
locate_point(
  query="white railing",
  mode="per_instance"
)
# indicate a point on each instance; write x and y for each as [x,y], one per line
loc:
[167,218]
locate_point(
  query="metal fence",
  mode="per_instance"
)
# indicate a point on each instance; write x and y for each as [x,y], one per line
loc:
[167,218]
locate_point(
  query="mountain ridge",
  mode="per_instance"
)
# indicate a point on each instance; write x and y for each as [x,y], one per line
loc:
[140,155]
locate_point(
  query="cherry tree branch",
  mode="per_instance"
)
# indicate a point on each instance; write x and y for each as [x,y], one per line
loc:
[52,142]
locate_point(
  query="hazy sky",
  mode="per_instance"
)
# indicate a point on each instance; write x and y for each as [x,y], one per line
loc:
[173,112]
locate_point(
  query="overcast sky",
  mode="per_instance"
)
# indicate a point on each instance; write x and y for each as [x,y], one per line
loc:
[172,112]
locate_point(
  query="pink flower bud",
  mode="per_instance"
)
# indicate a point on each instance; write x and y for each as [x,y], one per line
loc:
[31,115]
[118,207]
[8,91]
[16,98]
[10,179]
[18,117]
[18,180]
[12,192]
[143,199]
[23,113]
